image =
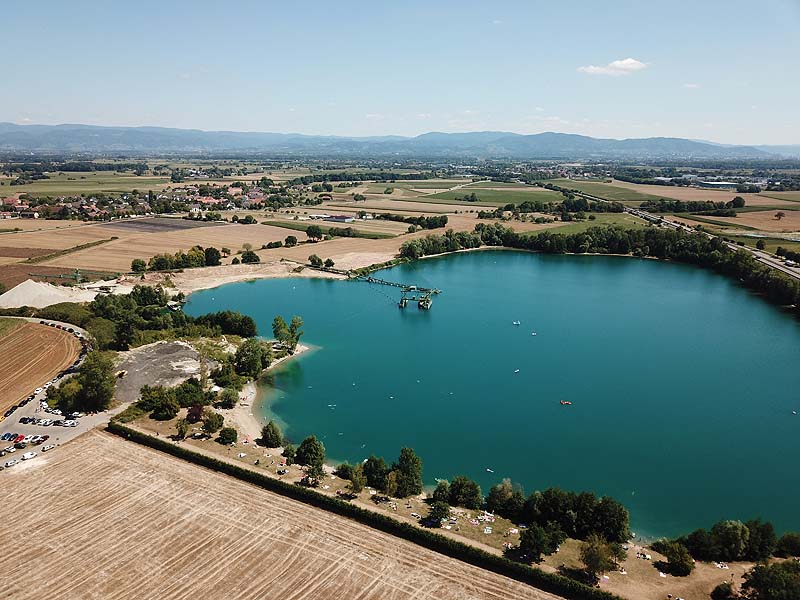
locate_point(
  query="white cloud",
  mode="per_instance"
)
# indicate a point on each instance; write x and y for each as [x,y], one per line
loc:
[424,115]
[615,68]
[497,22]
[691,86]
[539,109]
[375,116]
[292,109]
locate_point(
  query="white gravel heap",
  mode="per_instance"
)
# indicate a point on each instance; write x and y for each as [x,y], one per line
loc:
[39,294]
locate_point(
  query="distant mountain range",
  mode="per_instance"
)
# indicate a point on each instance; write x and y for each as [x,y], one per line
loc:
[479,144]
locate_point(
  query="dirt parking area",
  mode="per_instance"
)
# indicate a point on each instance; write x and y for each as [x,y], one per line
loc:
[152,526]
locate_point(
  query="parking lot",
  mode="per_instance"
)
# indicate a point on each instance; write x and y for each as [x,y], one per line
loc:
[30,426]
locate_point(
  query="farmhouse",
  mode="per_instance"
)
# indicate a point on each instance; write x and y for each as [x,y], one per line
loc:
[340,218]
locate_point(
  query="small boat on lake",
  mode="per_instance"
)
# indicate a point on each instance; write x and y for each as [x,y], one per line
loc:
[517,322]
[565,403]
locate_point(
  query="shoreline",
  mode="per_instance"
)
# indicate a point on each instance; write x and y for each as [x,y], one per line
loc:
[242,415]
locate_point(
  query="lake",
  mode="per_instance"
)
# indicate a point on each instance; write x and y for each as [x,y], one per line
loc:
[682,383]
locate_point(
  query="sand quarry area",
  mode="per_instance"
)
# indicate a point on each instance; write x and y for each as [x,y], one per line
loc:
[152,526]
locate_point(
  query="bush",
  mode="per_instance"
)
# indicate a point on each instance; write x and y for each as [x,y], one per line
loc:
[212,421]
[788,545]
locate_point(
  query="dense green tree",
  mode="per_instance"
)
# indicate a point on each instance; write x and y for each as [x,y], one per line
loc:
[315,261]
[730,539]
[252,357]
[311,452]
[465,492]
[96,379]
[679,561]
[788,545]
[438,512]
[182,428]
[761,540]
[329,263]
[212,257]
[167,409]
[227,436]
[289,453]
[271,435]
[212,421]
[724,591]
[295,332]
[376,471]
[536,541]
[290,241]
[228,398]
[280,330]
[409,473]
[442,491]
[776,581]
[357,479]
[314,232]
[138,265]
[596,556]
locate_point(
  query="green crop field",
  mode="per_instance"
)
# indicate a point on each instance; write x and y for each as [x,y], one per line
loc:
[714,222]
[790,196]
[622,219]
[494,197]
[604,190]
[68,184]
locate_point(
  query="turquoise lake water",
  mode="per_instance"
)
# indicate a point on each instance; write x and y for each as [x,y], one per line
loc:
[682,383]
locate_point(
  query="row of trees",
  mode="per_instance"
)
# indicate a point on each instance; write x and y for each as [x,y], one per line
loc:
[400,480]
[421,222]
[669,244]
[731,540]
[92,388]
[317,262]
[706,207]
[197,256]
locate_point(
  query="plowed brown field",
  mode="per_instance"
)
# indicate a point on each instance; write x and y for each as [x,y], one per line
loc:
[32,355]
[116,520]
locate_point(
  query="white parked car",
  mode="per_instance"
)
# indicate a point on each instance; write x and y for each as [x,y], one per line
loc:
[38,391]
[28,455]
[11,463]
[48,448]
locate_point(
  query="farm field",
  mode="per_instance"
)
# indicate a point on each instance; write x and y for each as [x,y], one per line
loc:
[607,191]
[155,526]
[698,194]
[32,355]
[787,196]
[602,219]
[765,220]
[496,197]
[74,183]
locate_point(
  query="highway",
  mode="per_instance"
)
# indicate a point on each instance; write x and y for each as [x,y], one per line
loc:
[761,256]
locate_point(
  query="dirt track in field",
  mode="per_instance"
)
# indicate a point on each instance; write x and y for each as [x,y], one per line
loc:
[32,355]
[116,520]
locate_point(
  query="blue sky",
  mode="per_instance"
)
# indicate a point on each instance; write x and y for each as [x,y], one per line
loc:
[720,70]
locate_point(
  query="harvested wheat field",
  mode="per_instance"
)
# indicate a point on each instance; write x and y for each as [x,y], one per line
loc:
[117,520]
[700,194]
[765,220]
[32,355]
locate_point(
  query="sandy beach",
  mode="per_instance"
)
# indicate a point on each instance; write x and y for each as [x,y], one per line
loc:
[242,415]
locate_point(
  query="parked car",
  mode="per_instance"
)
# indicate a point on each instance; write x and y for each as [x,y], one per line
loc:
[28,455]
[47,448]
[9,449]
[11,463]
[19,438]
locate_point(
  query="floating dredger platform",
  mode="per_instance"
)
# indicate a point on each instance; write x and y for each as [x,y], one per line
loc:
[408,293]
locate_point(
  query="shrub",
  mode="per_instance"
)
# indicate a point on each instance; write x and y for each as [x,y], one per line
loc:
[227,435]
